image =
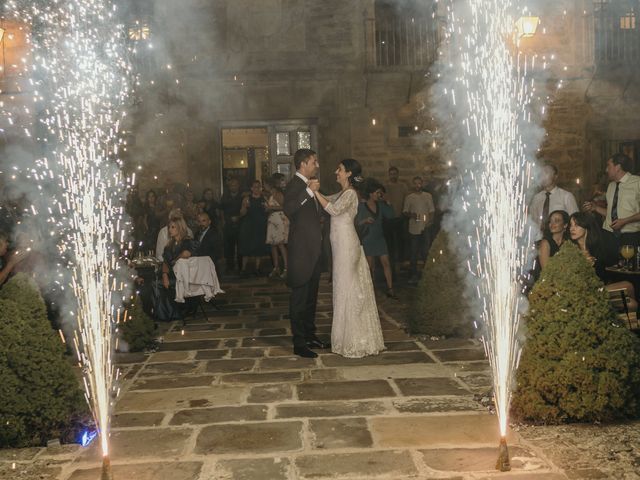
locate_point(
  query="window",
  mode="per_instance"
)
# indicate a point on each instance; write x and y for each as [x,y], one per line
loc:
[404,33]
[617,38]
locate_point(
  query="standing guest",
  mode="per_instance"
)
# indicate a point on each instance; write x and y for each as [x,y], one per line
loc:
[207,239]
[170,199]
[211,206]
[396,191]
[151,220]
[550,198]
[253,227]
[230,204]
[418,207]
[190,210]
[163,235]
[369,219]
[622,215]
[277,227]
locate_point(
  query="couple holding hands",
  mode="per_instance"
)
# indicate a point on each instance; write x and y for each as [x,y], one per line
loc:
[355,330]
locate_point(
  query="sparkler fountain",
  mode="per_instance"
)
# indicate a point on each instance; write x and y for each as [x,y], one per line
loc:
[487,84]
[80,80]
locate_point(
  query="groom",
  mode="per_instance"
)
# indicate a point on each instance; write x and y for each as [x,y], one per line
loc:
[305,242]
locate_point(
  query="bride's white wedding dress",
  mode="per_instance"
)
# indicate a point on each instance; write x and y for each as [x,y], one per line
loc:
[356,328]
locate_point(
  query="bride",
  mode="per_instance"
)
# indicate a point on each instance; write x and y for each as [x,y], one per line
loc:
[356,328]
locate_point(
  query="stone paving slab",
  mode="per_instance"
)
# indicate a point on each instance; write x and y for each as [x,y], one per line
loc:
[250,438]
[137,419]
[211,354]
[438,405]
[437,431]
[369,464]
[169,357]
[273,377]
[434,386]
[461,354]
[340,433]
[207,335]
[169,368]
[345,390]
[190,345]
[253,469]
[226,366]
[135,444]
[145,471]
[173,382]
[329,409]
[179,398]
[286,363]
[270,393]
[220,415]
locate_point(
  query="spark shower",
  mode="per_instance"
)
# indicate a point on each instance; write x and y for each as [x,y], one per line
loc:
[79,81]
[485,79]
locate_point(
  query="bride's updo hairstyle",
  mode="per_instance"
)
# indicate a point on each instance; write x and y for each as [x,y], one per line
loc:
[353,166]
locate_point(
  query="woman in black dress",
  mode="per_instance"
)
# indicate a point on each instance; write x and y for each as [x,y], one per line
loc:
[554,235]
[253,227]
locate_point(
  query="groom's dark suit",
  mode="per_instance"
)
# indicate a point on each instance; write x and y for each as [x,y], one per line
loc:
[305,242]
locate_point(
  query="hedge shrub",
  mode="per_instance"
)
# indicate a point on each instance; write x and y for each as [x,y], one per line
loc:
[39,392]
[578,362]
[439,306]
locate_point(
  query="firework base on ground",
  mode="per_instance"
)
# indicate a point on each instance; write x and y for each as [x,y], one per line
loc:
[503,456]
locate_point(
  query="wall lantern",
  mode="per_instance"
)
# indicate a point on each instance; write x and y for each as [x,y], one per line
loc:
[527,26]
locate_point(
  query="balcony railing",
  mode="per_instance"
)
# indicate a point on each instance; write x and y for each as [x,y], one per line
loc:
[405,43]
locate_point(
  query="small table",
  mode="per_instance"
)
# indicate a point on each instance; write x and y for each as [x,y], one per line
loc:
[621,274]
[147,269]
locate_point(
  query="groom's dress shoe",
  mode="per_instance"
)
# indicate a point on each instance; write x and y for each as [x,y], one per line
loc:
[304,352]
[316,343]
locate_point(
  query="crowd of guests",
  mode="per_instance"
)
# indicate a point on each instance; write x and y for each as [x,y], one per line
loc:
[247,227]
[605,223]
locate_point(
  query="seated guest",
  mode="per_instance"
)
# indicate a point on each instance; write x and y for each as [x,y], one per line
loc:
[207,238]
[163,234]
[180,245]
[585,232]
[553,236]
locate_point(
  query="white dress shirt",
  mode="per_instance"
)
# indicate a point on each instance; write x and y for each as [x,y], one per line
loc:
[560,199]
[628,202]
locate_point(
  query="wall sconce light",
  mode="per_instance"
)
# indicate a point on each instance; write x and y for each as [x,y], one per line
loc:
[527,26]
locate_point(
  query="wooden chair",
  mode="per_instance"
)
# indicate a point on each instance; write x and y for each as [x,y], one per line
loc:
[619,299]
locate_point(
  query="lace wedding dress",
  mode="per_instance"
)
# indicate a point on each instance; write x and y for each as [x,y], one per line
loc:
[356,328]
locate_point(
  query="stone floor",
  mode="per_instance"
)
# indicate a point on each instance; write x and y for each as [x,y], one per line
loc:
[224,398]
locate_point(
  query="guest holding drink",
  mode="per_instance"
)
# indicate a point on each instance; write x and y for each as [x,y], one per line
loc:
[419,208]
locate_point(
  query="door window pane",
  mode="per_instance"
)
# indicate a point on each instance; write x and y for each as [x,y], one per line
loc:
[304,139]
[285,169]
[282,141]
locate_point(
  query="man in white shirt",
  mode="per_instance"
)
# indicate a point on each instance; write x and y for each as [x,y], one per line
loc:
[419,208]
[550,198]
[622,215]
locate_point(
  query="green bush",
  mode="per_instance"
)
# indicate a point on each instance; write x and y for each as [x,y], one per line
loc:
[578,363]
[439,307]
[139,329]
[39,392]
